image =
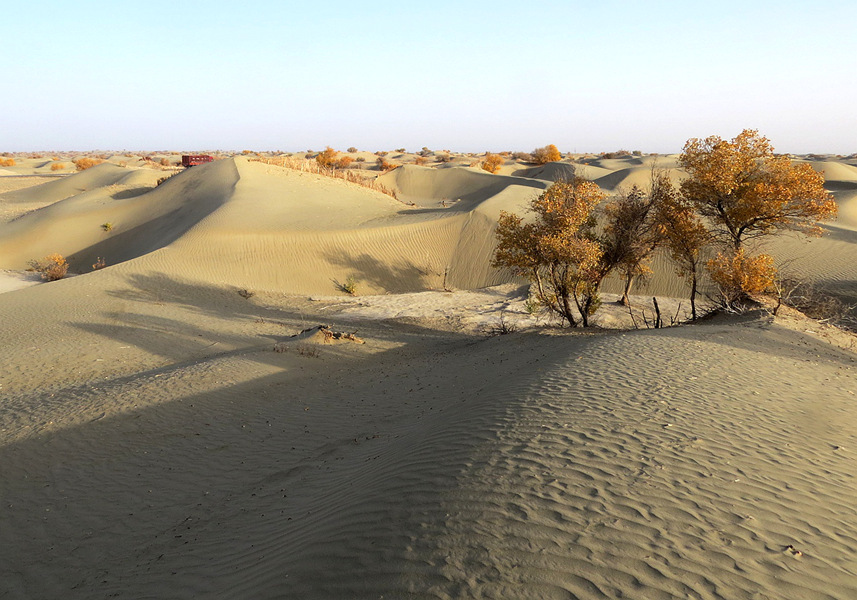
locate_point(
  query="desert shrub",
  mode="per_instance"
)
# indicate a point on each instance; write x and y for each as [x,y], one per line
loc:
[360,159]
[165,162]
[444,158]
[384,165]
[85,163]
[425,151]
[107,226]
[381,153]
[522,156]
[99,264]
[352,149]
[349,286]
[420,160]
[52,267]
[738,275]
[616,154]
[326,158]
[492,162]
[7,162]
[343,162]
[57,166]
[546,154]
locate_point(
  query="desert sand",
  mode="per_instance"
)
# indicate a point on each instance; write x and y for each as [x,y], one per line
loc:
[154,444]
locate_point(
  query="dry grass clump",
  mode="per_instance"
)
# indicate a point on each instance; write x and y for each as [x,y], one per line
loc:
[99,264]
[7,162]
[311,166]
[85,163]
[57,166]
[51,268]
[492,163]
[420,160]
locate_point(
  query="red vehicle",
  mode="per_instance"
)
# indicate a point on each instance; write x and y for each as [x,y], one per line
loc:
[190,160]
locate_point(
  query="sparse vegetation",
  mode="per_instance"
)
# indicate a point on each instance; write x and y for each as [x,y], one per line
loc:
[349,286]
[85,163]
[326,158]
[546,154]
[99,264]
[352,149]
[51,268]
[384,165]
[310,166]
[492,162]
[57,166]
[107,226]
[7,162]
[420,160]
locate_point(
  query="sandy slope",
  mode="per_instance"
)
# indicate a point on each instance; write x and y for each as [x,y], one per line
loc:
[154,445]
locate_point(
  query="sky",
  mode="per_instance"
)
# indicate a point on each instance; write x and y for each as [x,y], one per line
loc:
[466,76]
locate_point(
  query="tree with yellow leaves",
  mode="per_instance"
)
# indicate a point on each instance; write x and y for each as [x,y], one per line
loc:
[744,191]
[558,250]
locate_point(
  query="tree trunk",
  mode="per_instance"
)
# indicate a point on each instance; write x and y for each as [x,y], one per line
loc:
[626,294]
[693,295]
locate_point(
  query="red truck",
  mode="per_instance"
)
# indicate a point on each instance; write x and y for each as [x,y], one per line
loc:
[190,160]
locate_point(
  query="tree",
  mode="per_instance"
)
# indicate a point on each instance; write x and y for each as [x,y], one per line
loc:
[546,154]
[326,158]
[746,191]
[681,231]
[631,234]
[558,250]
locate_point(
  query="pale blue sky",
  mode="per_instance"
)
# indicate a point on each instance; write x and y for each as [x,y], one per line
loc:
[586,76]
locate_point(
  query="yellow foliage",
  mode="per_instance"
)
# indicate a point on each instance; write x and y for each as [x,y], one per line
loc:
[85,163]
[557,250]
[492,162]
[57,166]
[746,191]
[327,157]
[7,162]
[739,275]
[51,267]
[549,153]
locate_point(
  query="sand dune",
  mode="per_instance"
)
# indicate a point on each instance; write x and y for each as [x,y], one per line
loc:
[154,444]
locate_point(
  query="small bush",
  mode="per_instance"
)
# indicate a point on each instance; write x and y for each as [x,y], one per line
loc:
[85,163]
[52,267]
[352,149]
[549,153]
[738,275]
[444,158]
[522,156]
[344,162]
[99,264]
[326,158]
[420,160]
[492,163]
[349,286]
[360,159]
[57,166]
[107,226]
[384,165]
[165,162]
[400,150]
[7,162]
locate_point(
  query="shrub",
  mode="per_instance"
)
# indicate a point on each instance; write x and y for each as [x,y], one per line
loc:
[344,162]
[547,154]
[99,264]
[57,166]
[492,162]
[326,158]
[360,159]
[522,156]
[52,267]
[738,275]
[107,226]
[384,165]
[420,160]
[349,287]
[7,162]
[85,163]
[444,158]
[165,162]
[352,149]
